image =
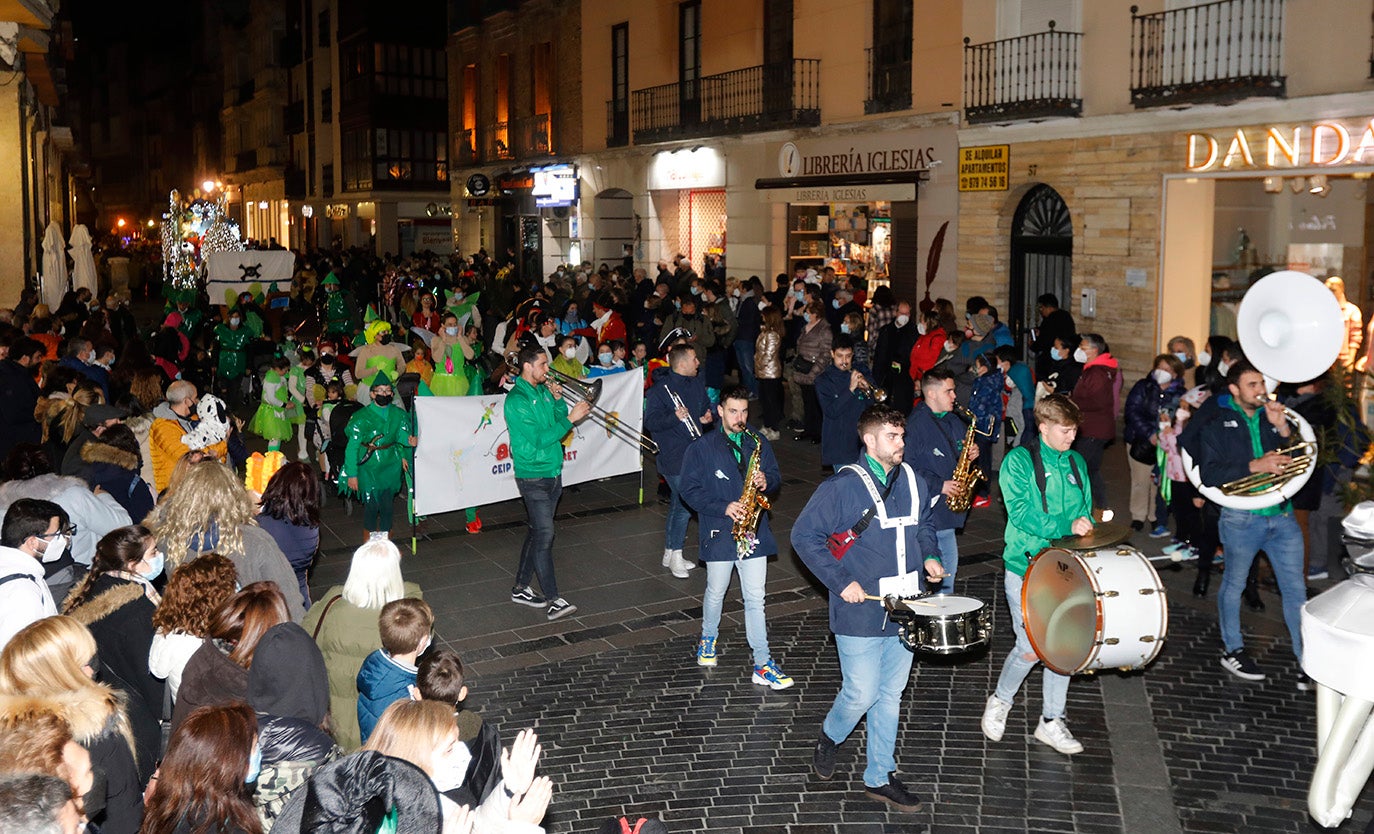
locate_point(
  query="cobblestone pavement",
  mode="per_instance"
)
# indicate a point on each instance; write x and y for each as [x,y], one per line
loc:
[631,725]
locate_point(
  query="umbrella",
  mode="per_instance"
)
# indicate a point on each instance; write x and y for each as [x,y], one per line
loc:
[54,278]
[83,260]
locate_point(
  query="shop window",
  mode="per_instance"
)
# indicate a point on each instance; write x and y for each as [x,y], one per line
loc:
[357,160]
[619,133]
[701,225]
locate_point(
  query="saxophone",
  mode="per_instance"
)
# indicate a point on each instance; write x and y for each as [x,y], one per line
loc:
[966,475]
[755,502]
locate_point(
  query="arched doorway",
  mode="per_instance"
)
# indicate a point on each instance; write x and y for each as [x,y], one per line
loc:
[1041,258]
[613,214]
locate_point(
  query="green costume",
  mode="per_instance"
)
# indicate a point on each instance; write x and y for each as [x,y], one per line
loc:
[270,420]
[296,388]
[451,378]
[378,448]
[191,319]
[337,315]
[233,346]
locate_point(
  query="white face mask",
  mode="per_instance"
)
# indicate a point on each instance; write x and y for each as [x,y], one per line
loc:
[1162,376]
[57,545]
[921,328]
[902,320]
[949,345]
[449,773]
[1204,358]
[452,331]
[571,353]
[1080,355]
[763,305]
[1223,367]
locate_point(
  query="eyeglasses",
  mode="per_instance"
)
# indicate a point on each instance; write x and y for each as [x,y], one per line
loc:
[69,530]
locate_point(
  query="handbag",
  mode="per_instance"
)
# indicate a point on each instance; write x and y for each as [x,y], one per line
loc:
[1142,451]
[839,543]
[802,365]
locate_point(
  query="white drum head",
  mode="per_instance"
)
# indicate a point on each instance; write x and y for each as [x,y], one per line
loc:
[948,604]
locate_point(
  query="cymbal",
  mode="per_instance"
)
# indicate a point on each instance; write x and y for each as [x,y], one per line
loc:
[1104,534]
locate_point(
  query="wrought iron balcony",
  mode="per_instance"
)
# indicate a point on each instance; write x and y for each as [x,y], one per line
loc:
[889,78]
[617,123]
[465,149]
[498,141]
[1031,77]
[740,101]
[533,136]
[1216,52]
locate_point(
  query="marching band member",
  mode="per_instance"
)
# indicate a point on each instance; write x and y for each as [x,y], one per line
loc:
[712,481]
[841,389]
[856,559]
[935,440]
[1047,495]
[677,413]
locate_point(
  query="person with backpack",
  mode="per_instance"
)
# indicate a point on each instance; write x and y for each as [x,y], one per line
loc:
[1046,492]
[31,528]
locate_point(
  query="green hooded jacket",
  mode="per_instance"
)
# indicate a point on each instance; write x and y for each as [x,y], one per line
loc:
[537,424]
[1029,529]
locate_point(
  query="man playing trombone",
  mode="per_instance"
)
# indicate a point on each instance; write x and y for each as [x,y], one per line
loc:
[1240,446]
[677,412]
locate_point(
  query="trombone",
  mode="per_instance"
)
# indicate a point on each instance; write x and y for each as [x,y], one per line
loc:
[576,391]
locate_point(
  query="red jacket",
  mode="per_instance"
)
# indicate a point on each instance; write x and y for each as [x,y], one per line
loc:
[926,352]
[614,328]
[1098,396]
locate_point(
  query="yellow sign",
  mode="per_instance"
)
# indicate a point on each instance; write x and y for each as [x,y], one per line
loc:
[984,168]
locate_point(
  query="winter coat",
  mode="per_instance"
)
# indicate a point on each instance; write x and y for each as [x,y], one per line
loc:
[703,337]
[1144,404]
[298,543]
[210,678]
[354,795]
[25,598]
[537,424]
[1068,495]
[768,355]
[120,474]
[261,561]
[986,402]
[346,637]
[98,723]
[926,352]
[933,446]
[840,408]
[892,363]
[712,478]
[661,420]
[1098,396]
[94,515]
[1220,439]
[292,749]
[1057,325]
[18,398]
[381,682]
[168,655]
[749,319]
[119,615]
[814,344]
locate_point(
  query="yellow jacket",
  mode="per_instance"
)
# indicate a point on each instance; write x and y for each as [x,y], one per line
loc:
[166,448]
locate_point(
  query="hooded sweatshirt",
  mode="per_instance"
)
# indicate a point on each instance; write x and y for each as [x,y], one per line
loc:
[1098,396]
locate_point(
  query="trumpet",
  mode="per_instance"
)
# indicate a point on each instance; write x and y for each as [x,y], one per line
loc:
[693,427]
[576,391]
[867,390]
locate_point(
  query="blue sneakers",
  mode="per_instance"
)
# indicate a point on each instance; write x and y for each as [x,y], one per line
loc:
[769,674]
[706,651]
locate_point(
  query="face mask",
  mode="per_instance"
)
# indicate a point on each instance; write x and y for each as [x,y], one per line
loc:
[1182,357]
[604,358]
[1223,367]
[571,353]
[386,339]
[1162,376]
[696,290]
[902,320]
[450,772]
[949,346]
[327,359]
[844,328]
[735,293]
[157,562]
[921,328]
[56,546]
[1204,358]
[835,304]
[1080,355]
[1009,384]
[254,766]
[383,399]
[234,321]
[1056,354]
[806,317]
[763,305]
[677,304]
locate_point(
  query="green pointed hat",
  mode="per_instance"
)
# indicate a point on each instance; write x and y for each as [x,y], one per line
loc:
[331,278]
[379,378]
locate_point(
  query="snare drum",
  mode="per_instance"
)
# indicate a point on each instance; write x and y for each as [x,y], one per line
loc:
[941,624]
[1090,610]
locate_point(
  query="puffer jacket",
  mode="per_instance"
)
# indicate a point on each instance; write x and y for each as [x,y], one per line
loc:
[94,515]
[164,442]
[1144,404]
[814,344]
[381,682]
[1098,396]
[354,795]
[768,355]
[292,749]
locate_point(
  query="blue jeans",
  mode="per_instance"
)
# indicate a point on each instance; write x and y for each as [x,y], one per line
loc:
[1242,535]
[1054,687]
[536,556]
[744,355]
[752,575]
[678,515]
[949,557]
[875,672]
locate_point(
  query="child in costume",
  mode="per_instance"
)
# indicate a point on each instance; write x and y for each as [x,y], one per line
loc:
[337,309]
[375,458]
[233,339]
[272,421]
[298,389]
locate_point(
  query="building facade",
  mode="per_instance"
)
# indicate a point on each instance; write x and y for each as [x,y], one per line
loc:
[254,161]
[366,122]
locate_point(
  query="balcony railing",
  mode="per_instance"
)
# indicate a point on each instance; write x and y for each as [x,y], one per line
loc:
[1215,52]
[533,137]
[889,79]
[498,141]
[1033,76]
[465,148]
[617,123]
[756,98]
[293,117]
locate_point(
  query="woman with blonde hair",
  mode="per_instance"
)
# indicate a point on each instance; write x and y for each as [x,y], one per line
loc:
[54,659]
[425,734]
[344,624]
[210,511]
[64,419]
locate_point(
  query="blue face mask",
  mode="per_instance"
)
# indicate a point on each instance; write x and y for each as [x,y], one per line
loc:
[806,317]
[254,765]
[1183,357]
[696,290]
[158,562]
[1055,354]
[844,328]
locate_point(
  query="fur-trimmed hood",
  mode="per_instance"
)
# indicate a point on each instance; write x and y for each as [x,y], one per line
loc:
[104,603]
[91,712]
[96,452]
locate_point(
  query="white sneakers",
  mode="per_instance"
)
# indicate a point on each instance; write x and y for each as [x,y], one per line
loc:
[995,718]
[1054,733]
[678,566]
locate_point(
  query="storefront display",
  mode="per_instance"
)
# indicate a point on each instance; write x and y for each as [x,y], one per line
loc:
[852,238]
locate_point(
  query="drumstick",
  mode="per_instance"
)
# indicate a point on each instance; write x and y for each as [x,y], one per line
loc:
[1167,557]
[907,601]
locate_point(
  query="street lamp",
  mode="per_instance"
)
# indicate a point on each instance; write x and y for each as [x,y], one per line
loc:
[207,186]
[120,222]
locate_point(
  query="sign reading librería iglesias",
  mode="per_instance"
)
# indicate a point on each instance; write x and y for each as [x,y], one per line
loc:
[853,158]
[1321,144]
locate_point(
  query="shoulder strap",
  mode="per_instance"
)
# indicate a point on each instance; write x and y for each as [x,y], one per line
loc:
[4,579]
[878,500]
[1038,464]
[320,622]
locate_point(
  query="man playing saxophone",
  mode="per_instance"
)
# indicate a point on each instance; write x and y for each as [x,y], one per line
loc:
[712,482]
[935,444]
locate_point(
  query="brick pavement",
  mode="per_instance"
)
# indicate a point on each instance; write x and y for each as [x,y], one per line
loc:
[630,724]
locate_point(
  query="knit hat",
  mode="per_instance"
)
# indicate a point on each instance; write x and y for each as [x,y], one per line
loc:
[288,677]
[982,324]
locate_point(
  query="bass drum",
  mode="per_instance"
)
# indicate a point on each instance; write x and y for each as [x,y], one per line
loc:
[1094,609]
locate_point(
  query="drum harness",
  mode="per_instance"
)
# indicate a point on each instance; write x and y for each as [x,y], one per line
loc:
[899,523]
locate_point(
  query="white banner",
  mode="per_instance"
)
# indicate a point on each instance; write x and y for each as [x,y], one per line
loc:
[236,272]
[463,457]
